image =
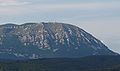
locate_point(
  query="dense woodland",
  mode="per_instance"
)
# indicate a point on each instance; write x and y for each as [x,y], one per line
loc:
[91,63]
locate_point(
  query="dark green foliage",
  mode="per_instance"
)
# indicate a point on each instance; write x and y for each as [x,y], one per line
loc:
[91,63]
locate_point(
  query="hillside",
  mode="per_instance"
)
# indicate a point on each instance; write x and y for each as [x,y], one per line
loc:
[48,40]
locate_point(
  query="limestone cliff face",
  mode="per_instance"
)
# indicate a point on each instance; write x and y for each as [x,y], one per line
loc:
[47,40]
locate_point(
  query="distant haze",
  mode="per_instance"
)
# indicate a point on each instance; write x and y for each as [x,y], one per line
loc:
[98,17]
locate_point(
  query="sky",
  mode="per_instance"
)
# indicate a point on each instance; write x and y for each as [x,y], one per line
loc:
[101,18]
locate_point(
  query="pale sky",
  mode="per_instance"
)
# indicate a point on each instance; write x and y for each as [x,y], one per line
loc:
[101,18]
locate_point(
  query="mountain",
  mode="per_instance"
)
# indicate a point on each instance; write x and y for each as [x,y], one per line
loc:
[48,40]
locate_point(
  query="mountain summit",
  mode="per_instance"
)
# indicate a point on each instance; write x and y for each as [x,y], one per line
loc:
[48,40]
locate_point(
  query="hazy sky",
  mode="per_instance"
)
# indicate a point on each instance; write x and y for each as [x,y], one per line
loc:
[98,17]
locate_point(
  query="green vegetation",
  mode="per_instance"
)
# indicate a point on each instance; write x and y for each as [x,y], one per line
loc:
[91,63]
